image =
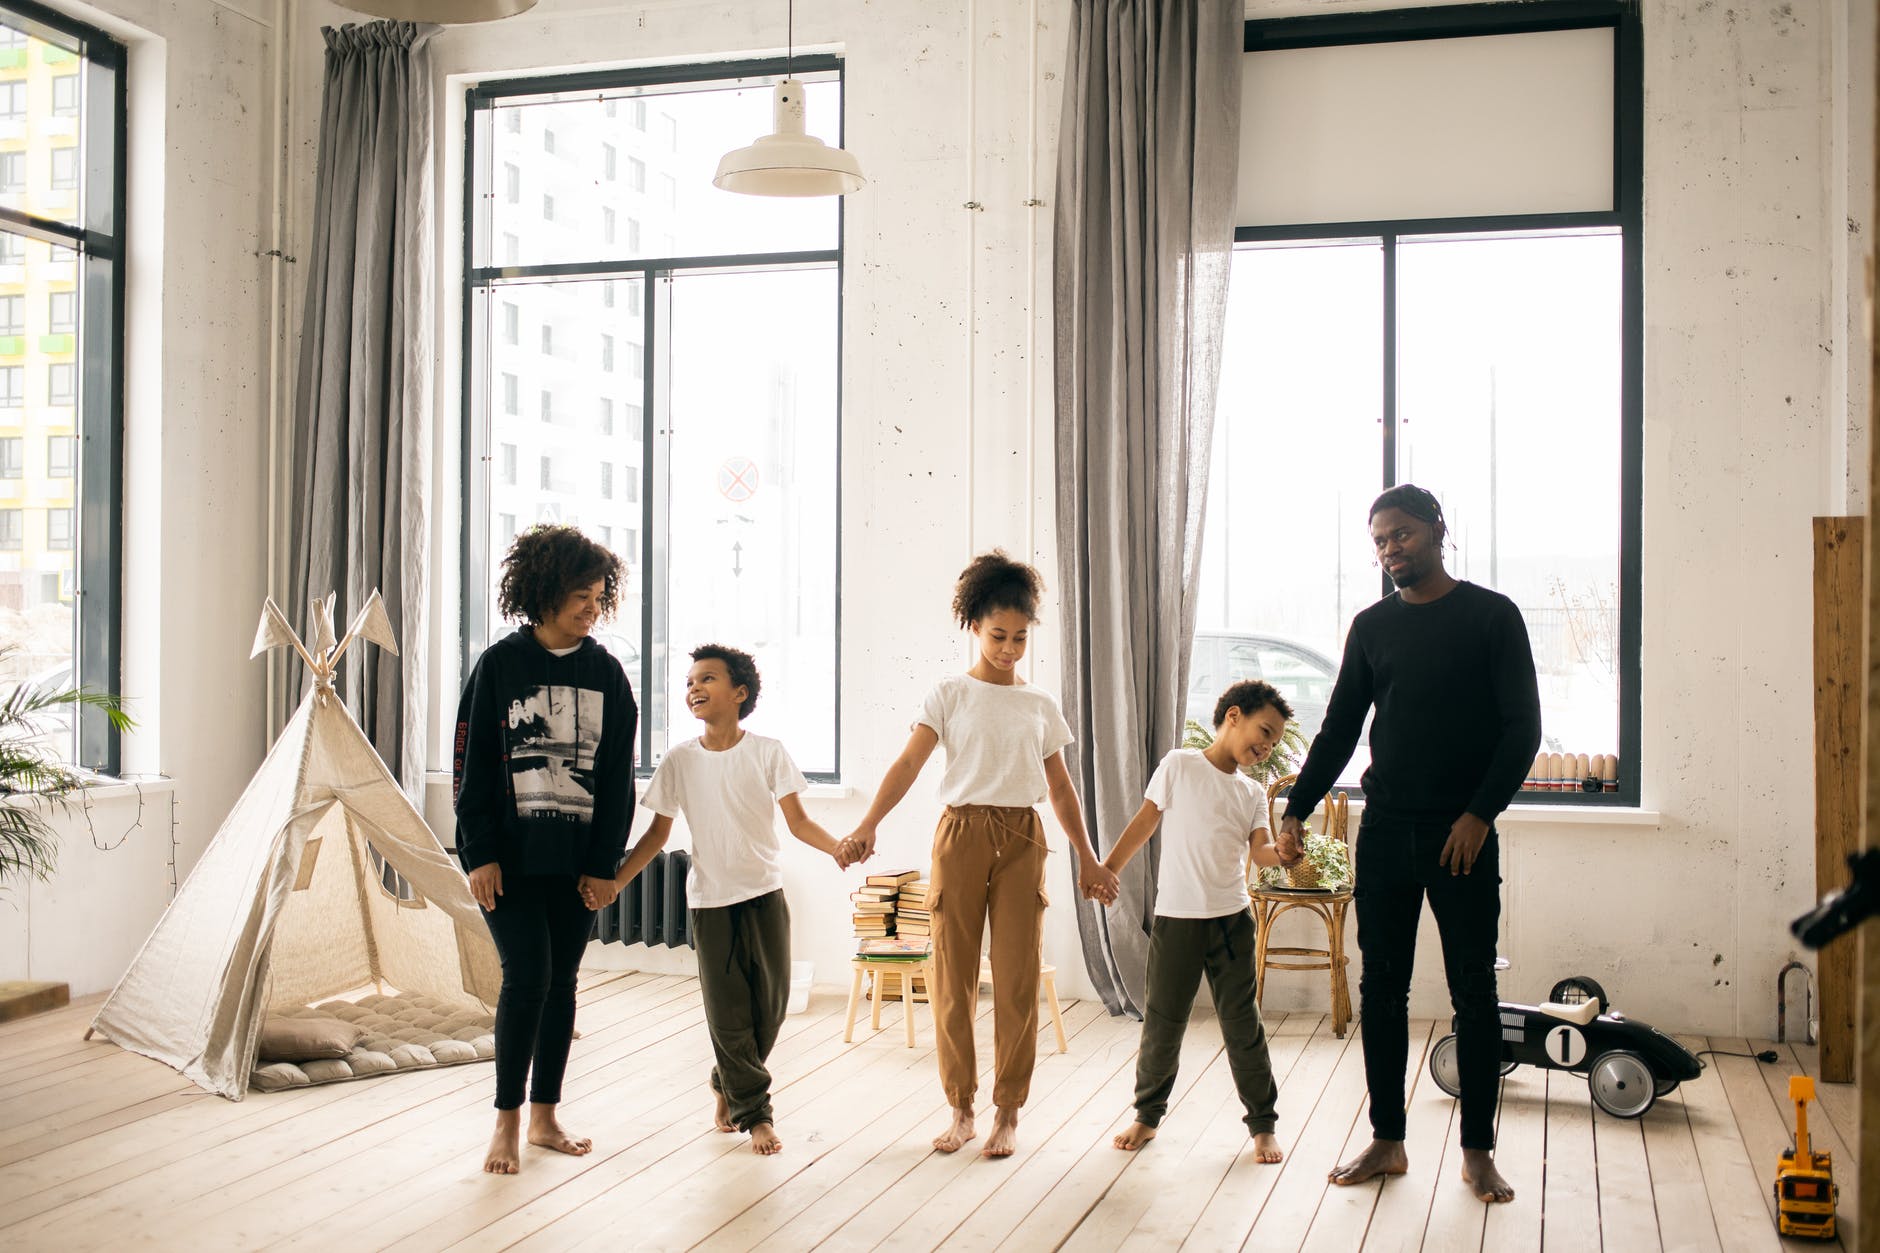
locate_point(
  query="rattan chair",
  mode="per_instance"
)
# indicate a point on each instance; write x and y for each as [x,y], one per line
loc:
[1330,907]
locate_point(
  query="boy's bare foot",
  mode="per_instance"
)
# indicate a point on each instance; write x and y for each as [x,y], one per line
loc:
[505,1155]
[722,1118]
[1003,1142]
[764,1140]
[1133,1137]
[1478,1171]
[546,1131]
[1266,1148]
[951,1140]
[1380,1157]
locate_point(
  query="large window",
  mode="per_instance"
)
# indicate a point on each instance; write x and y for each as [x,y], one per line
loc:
[61,296]
[717,314]
[1492,359]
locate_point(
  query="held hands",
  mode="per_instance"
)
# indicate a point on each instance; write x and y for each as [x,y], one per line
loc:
[1096,881]
[1290,843]
[1464,845]
[597,893]
[486,884]
[857,848]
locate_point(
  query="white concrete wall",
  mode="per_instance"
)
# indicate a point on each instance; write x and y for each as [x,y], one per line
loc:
[196,393]
[1754,423]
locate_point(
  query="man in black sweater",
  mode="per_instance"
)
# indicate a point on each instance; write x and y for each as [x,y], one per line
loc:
[1448,668]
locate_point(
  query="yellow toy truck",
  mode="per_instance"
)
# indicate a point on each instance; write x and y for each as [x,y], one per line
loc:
[1805,1192]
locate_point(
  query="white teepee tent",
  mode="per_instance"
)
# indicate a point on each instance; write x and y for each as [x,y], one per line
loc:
[286,907]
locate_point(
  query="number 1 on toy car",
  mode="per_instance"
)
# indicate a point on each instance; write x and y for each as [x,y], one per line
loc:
[1566,1046]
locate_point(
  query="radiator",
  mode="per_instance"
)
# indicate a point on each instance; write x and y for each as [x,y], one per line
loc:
[650,910]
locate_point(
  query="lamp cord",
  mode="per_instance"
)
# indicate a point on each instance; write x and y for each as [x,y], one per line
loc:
[1766,1056]
[789,36]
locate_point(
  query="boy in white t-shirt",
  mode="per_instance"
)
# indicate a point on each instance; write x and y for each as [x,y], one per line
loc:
[1212,818]
[725,782]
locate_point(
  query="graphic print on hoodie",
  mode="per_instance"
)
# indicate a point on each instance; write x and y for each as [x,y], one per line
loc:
[554,733]
[543,761]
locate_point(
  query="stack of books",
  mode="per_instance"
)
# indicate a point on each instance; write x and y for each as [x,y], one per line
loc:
[912,917]
[874,903]
[877,913]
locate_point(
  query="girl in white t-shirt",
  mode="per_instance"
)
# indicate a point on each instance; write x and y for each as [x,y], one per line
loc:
[1004,740]
[1213,819]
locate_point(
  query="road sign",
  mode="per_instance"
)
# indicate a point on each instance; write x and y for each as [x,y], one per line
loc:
[737,479]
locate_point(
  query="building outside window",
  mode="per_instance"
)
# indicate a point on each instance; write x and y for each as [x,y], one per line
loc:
[757,542]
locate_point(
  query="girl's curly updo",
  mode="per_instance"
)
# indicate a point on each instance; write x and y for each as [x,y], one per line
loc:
[545,564]
[993,582]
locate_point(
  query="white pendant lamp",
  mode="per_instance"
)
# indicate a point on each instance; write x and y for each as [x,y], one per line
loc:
[443,12]
[788,161]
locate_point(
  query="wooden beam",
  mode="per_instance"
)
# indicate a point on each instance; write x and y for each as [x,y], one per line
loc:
[1840,633]
[21,1000]
[1867,1198]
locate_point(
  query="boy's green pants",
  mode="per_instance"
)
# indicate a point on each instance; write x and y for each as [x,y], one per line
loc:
[744,977]
[1181,950]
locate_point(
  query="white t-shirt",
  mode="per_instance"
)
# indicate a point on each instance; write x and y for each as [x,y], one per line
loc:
[729,799]
[997,737]
[1208,820]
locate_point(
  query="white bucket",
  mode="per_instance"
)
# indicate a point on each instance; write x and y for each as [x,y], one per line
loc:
[801,974]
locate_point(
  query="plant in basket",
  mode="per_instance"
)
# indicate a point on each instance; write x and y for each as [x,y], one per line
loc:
[1326,866]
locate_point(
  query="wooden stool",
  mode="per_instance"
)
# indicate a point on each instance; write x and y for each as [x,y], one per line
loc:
[873,968]
[1269,904]
[1047,982]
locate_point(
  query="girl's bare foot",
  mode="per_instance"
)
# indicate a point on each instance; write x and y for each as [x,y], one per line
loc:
[1266,1148]
[764,1140]
[1380,1157]
[505,1155]
[1133,1137]
[1003,1142]
[950,1140]
[545,1130]
[722,1118]
[1478,1171]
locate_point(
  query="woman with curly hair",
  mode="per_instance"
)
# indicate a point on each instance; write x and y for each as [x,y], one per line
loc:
[1005,743]
[543,778]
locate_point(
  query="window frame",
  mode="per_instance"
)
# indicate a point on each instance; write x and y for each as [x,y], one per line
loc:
[480,103]
[99,244]
[1463,21]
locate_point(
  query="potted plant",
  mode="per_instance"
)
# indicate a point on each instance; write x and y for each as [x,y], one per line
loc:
[1327,863]
[32,778]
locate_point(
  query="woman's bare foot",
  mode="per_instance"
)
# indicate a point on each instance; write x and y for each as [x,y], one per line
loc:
[721,1119]
[1380,1157]
[505,1155]
[545,1130]
[1003,1142]
[955,1136]
[1478,1171]
[764,1140]
[1266,1148]
[1133,1137]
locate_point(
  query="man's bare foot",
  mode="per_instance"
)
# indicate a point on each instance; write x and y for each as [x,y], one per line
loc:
[721,1119]
[764,1140]
[1478,1171]
[1133,1137]
[1266,1148]
[1380,1157]
[955,1136]
[545,1130]
[1003,1142]
[505,1155]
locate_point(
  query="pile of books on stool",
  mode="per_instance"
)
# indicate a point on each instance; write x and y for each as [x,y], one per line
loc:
[892,925]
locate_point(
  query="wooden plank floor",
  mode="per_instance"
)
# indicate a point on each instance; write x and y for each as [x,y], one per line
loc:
[99,1148]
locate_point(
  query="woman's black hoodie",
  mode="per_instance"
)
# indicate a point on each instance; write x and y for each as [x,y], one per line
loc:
[543,760]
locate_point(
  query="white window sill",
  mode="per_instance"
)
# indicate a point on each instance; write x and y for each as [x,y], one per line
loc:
[104,789]
[1566,816]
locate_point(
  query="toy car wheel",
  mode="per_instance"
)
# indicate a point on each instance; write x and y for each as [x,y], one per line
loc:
[1664,1087]
[1578,989]
[1443,1067]
[1622,1083]
[1507,1067]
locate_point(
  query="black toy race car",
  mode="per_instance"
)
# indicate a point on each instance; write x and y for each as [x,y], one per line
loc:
[1627,1064]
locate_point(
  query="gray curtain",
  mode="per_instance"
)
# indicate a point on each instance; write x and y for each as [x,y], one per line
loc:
[357,508]
[1148,154]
